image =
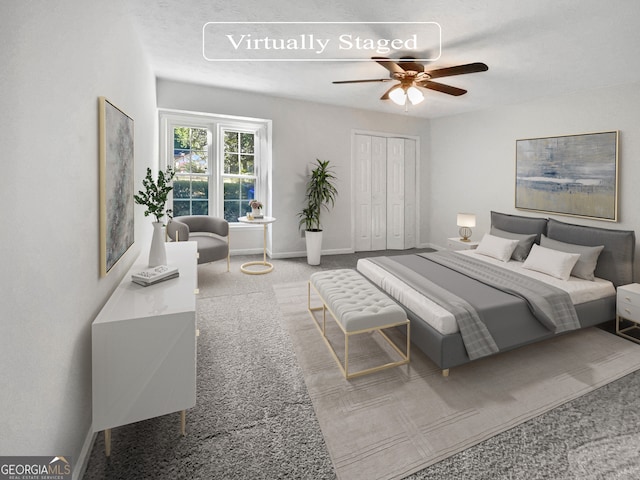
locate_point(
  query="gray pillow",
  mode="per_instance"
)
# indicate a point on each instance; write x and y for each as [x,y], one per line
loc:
[525,242]
[588,256]
[616,260]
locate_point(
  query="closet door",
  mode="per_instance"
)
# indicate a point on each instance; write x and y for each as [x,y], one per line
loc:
[401,193]
[395,193]
[378,193]
[370,156]
[410,194]
[385,191]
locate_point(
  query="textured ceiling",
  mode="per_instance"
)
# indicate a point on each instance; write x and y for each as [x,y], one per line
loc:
[534,48]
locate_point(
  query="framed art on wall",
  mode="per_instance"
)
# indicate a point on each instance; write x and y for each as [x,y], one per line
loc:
[574,175]
[116,184]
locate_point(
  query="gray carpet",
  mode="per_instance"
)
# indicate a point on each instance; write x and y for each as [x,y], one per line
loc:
[254,418]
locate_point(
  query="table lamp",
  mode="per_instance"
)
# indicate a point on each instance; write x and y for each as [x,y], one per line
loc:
[465,222]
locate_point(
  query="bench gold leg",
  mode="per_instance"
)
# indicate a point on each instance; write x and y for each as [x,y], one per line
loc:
[107,442]
[346,356]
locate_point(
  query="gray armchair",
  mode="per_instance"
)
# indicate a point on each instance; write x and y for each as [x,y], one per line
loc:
[210,233]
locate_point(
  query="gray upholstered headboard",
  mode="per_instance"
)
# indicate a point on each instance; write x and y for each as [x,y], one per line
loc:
[615,262]
[519,224]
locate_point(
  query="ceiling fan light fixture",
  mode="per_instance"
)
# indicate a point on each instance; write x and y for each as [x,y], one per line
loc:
[398,95]
[415,95]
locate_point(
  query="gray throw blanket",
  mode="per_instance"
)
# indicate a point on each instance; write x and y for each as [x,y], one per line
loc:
[475,335]
[550,305]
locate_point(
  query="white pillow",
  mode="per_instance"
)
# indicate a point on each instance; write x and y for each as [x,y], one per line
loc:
[552,262]
[496,247]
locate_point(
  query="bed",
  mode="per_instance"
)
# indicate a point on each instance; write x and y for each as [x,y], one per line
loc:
[547,277]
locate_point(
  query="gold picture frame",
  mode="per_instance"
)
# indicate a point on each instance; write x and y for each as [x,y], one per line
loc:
[116,157]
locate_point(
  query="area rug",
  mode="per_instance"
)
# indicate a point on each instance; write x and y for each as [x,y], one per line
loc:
[393,423]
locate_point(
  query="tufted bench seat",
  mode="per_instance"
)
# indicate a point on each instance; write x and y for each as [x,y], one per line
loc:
[357,307]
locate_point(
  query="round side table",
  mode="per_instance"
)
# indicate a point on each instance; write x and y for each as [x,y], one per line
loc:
[268,266]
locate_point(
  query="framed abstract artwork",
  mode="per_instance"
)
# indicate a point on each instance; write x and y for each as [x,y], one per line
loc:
[574,175]
[116,184]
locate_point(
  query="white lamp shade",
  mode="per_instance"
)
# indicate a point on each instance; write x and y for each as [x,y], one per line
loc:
[466,220]
[398,96]
[415,95]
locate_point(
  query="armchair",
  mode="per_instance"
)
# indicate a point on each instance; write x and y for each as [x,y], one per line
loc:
[210,233]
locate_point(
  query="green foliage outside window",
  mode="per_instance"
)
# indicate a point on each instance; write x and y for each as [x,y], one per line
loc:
[191,163]
[239,173]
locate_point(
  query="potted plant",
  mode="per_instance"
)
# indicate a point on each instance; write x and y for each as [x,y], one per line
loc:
[320,193]
[154,197]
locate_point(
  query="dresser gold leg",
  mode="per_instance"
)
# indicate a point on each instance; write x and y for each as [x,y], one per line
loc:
[183,422]
[107,442]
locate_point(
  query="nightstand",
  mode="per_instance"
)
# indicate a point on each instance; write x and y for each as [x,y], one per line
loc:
[456,243]
[628,309]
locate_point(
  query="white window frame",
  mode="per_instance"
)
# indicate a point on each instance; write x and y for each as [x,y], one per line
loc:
[216,124]
[259,133]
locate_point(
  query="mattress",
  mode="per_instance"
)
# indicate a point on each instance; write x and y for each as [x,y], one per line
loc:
[580,291]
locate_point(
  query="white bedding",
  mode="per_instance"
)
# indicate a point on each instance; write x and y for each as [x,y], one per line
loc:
[444,322]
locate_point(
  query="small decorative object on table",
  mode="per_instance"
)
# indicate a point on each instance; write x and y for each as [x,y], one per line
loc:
[256,208]
[153,275]
[154,197]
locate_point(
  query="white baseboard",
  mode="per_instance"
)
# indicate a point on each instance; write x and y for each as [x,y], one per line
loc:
[83,460]
[303,253]
[248,251]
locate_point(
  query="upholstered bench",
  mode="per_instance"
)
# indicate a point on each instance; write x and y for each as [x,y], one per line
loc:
[358,307]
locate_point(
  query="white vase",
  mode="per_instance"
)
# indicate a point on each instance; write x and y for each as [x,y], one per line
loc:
[314,246]
[256,211]
[158,252]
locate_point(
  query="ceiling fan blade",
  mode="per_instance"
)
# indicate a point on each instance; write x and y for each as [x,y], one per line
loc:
[363,81]
[408,65]
[440,87]
[459,70]
[389,64]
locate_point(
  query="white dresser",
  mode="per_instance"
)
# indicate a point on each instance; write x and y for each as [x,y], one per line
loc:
[628,308]
[144,346]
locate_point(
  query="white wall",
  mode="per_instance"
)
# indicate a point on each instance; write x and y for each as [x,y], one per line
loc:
[473,155]
[56,61]
[302,132]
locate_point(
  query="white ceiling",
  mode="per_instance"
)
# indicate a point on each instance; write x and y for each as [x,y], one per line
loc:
[534,48]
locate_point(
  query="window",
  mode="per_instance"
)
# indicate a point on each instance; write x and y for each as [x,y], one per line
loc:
[191,163]
[221,163]
[238,172]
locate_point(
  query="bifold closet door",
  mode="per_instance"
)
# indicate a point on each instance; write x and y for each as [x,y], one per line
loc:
[401,193]
[370,156]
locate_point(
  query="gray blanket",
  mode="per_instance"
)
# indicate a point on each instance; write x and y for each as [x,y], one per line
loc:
[551,306]
[475,335]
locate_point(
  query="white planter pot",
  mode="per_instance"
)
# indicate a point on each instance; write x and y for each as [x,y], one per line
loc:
[256,211]
[314,246]
[158,252]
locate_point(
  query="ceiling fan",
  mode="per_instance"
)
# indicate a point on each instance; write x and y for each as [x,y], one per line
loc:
[411,75]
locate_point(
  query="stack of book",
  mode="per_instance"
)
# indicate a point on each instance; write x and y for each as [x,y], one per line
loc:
[154,275]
